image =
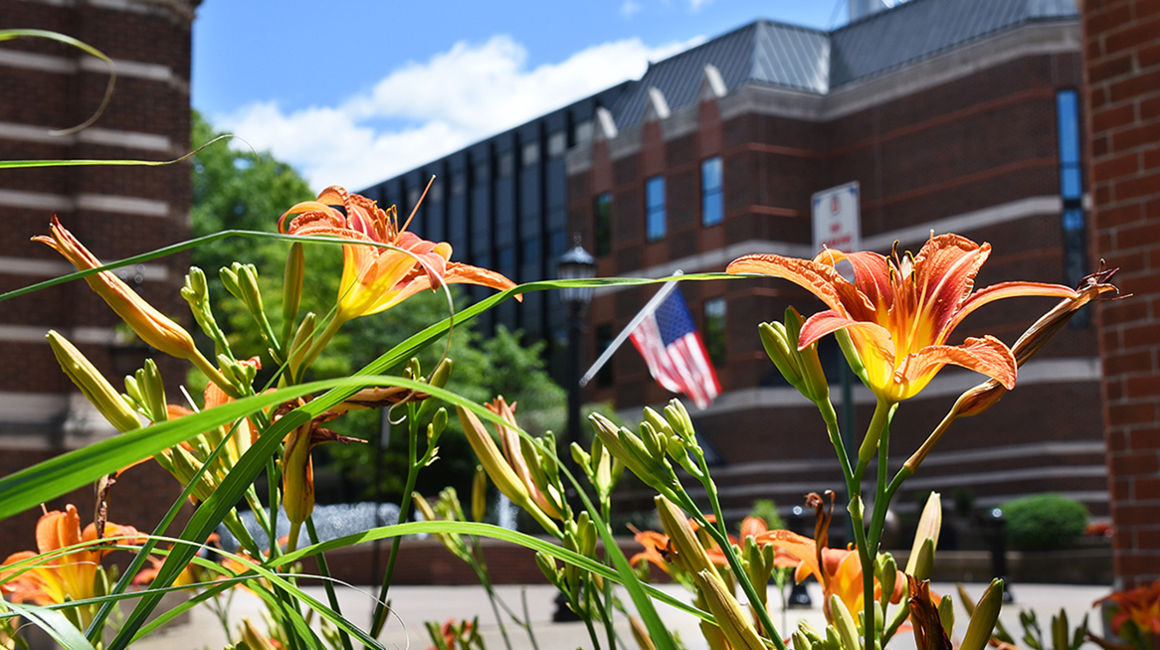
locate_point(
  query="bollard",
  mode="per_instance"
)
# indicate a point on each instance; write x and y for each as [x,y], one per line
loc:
[798,596]
[998,526]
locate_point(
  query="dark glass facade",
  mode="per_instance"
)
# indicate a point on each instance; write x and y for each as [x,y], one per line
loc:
[502,204]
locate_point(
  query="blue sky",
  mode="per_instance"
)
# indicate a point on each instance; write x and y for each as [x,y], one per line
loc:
[355,91]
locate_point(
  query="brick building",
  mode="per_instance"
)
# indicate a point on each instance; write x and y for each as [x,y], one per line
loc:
[116,211]
[1122,66]
[952,116]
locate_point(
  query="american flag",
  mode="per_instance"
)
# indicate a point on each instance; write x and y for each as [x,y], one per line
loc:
[675,353]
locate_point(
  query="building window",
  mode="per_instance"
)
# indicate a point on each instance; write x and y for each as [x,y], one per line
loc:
[458,183]
[582,132]
[715,330]
[481,172]
[435,194]
[654,197]
[1074,222]
[557,144]
[531,153]
[604,336]
[712,198]
[602,223]
[506,163]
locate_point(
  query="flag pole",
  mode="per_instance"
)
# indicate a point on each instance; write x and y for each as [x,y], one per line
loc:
[649,308]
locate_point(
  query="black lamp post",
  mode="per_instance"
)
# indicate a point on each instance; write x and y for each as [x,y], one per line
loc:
[576,264]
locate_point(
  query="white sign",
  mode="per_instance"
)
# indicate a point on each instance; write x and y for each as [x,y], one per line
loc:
[837,219]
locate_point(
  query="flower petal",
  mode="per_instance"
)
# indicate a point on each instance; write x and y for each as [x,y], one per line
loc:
[871,274]
[987,355]
[1011,290]
[944,272]
[818,278]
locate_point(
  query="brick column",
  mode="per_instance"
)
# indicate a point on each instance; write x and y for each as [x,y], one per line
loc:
[1122,69]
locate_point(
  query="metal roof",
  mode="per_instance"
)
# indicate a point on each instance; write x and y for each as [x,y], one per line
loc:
[816,61]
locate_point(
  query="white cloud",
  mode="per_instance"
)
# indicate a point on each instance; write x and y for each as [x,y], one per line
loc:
[695,5]
[457,97]
[630,8]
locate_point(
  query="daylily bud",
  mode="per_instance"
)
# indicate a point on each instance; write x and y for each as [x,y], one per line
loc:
[93,384]
[687,551]
[725,609]
[800,641]
[658,422]
[777,347]
[844,622]
[196,290]
[479,494]
[678,418]
[297,479]
[640,634]
[983,619]
[653,442]
[185,467]
[813,377]
[441,374]
[853,359]
[946,615]
[292,290]
[887,575]
[615,441]
[301,344]
[582,459]
[923,560]
[929,525]
[254,639]
[152,326]
[547,565]
[489,455]
[152,391]
[438,424]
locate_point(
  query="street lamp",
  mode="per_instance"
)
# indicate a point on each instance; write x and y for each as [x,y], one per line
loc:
[576,264]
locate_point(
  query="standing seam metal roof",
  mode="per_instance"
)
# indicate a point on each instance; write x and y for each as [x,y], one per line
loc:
[816,61]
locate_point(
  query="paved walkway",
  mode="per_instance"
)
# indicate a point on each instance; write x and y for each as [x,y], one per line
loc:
[415,605]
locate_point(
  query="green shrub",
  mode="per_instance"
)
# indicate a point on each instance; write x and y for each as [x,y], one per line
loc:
[1044,521]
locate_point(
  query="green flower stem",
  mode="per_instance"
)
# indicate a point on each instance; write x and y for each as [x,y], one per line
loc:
[379,617]
[606,512]
[830,417]
[480,568]
[320,343]
[324,569]
[879,432]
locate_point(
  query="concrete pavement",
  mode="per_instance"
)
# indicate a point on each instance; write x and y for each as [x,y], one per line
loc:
[412,606]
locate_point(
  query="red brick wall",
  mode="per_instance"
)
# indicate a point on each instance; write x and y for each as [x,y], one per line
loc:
[1122,67]
[144,36]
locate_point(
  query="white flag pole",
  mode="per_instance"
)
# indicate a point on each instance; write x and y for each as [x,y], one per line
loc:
[649,308]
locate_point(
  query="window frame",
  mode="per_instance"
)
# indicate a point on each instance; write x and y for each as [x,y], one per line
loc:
[716,194]
[655,217]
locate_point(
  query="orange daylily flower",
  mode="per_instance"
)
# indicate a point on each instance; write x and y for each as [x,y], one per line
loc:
[656,548]
[840,570]
[1140,606]
[900,311]
[68,576]
[375,278]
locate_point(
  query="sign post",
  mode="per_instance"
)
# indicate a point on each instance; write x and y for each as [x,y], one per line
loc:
[837,220]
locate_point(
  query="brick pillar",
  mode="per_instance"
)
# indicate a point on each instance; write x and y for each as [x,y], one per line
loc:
[1122,70]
